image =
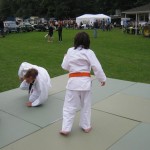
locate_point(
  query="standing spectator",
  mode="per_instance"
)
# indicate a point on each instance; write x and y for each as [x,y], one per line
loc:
[78,61]
[103,25]
[108,27]
[59,29]
[2,27]
[80,27]
[50,33]
[125,26]
[95,28]
[91,25]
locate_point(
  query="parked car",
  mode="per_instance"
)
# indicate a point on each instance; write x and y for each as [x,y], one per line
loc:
[6,31]
[26,27]
[10,26]
[40,27]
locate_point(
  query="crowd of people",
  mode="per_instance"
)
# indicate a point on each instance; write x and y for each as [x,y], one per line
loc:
[103,24]
[132,27]
[58,25]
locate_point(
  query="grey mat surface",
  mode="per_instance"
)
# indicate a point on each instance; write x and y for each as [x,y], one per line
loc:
[13,128]
[40,116]
[100,93]
[132,107]
[139,89]
[137,139]
[116,106]
[107,129]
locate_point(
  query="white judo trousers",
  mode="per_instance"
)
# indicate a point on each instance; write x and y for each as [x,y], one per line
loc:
[73,101]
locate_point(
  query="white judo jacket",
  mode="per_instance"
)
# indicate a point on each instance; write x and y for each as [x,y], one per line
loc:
[41,85]
[82,60]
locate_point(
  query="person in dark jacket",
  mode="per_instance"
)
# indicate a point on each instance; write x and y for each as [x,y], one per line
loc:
[50,33]
[59,29]
[2,27]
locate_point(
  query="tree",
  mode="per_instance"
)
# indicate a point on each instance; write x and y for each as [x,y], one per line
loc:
[65,8]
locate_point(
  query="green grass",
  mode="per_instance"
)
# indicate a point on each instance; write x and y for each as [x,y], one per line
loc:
[123,56]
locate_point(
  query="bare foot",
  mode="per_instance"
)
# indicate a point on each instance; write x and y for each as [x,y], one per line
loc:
[64,133]
[87,130]
[29,104]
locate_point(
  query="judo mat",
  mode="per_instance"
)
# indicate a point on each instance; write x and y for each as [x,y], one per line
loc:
[132,107]
[119,115]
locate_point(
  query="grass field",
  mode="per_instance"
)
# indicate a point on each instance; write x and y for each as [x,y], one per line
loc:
[123,56]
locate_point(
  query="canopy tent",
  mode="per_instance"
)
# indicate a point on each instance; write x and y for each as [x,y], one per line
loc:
[102,16]
[90,18]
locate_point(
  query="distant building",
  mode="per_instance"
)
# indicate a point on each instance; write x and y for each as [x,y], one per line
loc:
[141,13]
[140,16]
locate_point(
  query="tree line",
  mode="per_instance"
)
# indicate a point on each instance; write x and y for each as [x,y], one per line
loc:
[64,8]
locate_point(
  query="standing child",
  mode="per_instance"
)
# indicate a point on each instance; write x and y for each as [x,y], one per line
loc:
[50,32]
[78,61]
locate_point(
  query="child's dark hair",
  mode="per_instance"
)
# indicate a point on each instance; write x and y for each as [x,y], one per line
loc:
[31,73]
[82,39]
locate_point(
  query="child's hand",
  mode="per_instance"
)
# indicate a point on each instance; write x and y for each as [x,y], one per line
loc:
[29,104]
[103,83]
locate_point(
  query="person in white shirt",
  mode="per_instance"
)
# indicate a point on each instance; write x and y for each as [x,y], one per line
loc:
[79,61]
[37,81]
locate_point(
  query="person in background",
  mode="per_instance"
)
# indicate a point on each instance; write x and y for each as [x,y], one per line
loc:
[95,28]
[59,29]
[50,32]
[78,62]
[108,25]
[2,27]
[37,81]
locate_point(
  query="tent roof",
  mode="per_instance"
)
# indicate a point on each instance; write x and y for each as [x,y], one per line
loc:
[93,16]
[101,16]
[86,16]
[144,8]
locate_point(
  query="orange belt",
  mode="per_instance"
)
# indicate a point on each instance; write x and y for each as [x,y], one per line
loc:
[80,74]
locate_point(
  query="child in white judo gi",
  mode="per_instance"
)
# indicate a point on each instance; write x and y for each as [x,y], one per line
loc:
[78,61]
[37,81]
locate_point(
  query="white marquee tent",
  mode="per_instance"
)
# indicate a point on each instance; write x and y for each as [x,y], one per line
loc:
[90,18]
